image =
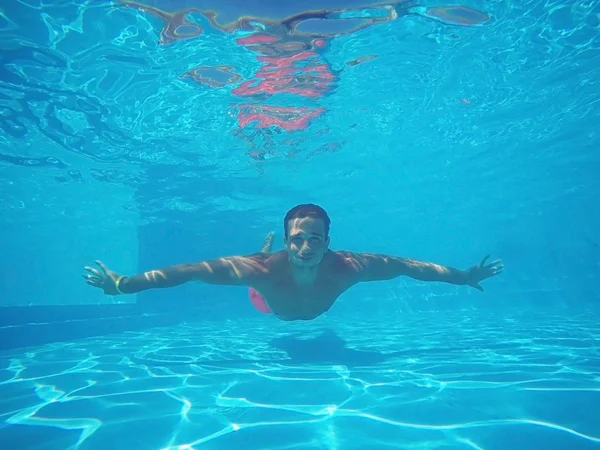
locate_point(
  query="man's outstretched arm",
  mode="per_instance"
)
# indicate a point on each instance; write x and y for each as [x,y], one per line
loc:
[375,267]
[235,270]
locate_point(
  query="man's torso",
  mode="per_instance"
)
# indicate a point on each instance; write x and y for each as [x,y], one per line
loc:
[290,301]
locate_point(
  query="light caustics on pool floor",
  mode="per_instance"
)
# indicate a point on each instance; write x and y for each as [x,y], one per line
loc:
[427,381]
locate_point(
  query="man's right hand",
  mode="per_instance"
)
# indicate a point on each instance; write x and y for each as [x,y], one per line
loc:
[104,279]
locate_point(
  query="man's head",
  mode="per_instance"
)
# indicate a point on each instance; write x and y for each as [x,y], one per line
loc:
[306,234]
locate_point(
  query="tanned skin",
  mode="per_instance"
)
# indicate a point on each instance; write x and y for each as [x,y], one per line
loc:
[298,283]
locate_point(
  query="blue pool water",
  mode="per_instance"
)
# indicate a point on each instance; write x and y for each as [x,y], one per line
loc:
[157,132]
[490,381]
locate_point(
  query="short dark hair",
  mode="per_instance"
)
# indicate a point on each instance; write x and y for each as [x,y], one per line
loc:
[306,210]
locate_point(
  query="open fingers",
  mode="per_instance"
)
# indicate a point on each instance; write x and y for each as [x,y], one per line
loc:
[94,272]
[103,267]
[489,273]
[482,263]
[497,262]
[90,279]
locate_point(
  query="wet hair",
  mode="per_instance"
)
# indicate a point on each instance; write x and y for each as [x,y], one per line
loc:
[306,210]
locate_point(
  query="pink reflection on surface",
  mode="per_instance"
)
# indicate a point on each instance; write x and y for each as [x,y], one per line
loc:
[286,118]
[290,53]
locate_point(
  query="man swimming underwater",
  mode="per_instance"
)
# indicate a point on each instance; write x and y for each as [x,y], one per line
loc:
[298,283]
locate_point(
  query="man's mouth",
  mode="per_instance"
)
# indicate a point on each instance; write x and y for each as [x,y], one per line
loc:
[305,257]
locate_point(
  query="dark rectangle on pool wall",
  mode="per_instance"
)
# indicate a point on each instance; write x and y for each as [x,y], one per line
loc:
[37,333]
[21,315]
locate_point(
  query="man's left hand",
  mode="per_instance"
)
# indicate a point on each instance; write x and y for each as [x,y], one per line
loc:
[475,274]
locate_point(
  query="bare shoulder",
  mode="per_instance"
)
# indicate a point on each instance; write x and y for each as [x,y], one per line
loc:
[346,267]
[262,269]
[273,261]
[260,263]
[346,257]
[348,262]
[358,264]
[248,267]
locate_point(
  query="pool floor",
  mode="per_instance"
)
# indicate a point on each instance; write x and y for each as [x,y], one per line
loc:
[427,381]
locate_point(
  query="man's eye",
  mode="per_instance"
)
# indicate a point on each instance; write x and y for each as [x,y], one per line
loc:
[315,239]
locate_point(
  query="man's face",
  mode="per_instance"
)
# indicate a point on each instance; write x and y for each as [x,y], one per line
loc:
[306,242]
